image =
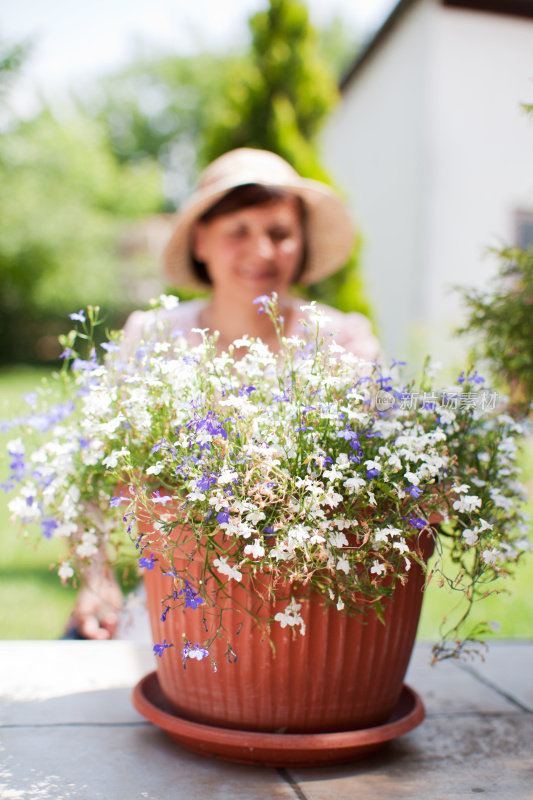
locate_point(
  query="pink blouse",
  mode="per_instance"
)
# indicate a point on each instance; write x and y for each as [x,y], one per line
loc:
[353,330]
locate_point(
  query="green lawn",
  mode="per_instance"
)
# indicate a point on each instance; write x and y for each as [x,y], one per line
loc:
[36,606]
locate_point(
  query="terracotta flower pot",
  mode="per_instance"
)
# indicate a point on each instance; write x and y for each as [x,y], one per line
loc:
[346,673]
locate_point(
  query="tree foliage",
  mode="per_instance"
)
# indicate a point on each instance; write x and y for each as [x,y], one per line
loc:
[63,198]
[281,100]
[502,320]
[160,108]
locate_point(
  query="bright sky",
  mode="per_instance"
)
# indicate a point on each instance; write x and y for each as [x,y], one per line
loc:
[78,39]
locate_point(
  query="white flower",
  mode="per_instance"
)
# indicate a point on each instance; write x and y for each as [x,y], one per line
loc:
[65,529]
[227,476]
[462,489]
[199,653]
[447,416]
[495,626]
[65,571]
[394,461]
[195,495]
[111,461]
[88,547]
[291,616]
[332,474]
[501,500]
[467,503]
[344,565]
[490,556]
[226,569]
[155,469]
[25,508]
[354,484]
[255,550]
[470,537]
[377,568]
[332,498]
[16,447]
[401,546]
[168,301]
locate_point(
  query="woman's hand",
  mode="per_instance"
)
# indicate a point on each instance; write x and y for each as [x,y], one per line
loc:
[98,606]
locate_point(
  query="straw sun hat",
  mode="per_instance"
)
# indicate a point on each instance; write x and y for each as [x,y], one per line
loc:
[329,232]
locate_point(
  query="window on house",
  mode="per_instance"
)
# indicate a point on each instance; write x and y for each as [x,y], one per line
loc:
[524,230]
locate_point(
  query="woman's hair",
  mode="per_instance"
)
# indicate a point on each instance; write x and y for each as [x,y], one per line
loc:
[251,194]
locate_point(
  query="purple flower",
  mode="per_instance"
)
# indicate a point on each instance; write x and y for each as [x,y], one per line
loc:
[117,500]
[262,301]
[414,491]
[371,473]
[82,365]
[110,347]
[159,649]
[149,563]
[157,497]
[418,523]
[223,516]
[192,598]
[78,316]
[48,525]
[164,614]
[197,652]
[206,481]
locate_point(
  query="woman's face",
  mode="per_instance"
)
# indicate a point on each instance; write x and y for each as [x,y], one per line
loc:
[254,250]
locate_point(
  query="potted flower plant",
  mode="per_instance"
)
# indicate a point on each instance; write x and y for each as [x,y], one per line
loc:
[283,506]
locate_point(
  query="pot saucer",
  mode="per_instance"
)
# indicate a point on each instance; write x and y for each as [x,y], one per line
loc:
[275,749]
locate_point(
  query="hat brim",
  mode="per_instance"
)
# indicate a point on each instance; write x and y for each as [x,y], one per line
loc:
[330,234]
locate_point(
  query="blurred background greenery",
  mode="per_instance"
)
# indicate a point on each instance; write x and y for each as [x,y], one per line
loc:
[86,199]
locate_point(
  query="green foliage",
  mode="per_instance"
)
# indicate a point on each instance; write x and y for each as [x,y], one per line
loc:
[280,100]
[160,108]
[502,317]
[11,59]
[61,197]
[64,199]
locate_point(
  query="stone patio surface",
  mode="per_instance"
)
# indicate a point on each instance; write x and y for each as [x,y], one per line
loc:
[68,730]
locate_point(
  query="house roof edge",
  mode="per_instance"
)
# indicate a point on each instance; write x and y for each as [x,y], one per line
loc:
[519,8]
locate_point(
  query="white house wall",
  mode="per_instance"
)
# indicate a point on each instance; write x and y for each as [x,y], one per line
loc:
[374,146]
[435,155]
[480,151]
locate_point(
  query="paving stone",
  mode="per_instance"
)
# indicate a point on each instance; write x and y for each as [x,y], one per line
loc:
[68,730]
[65,681]
[130,762]
[446,688]
[444,759]
[508,668]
